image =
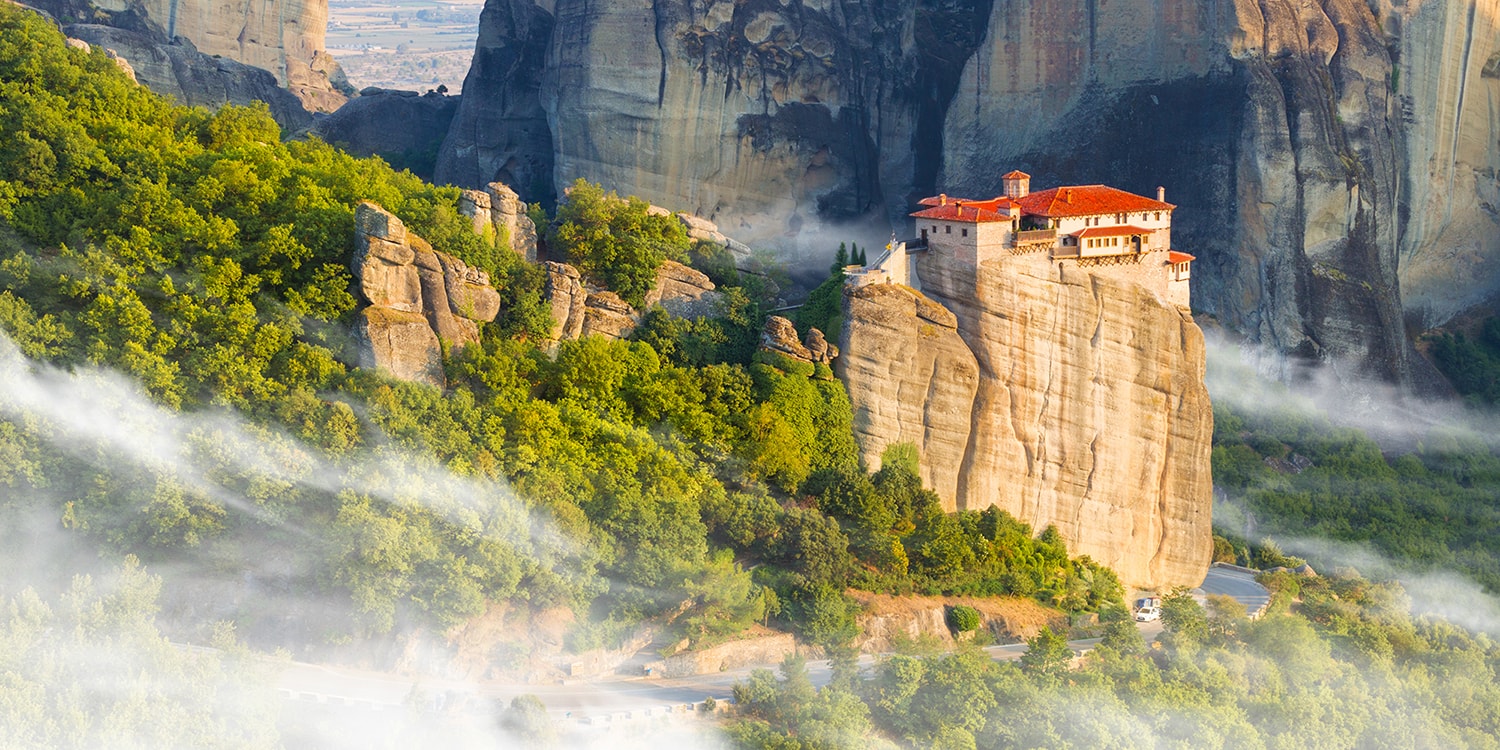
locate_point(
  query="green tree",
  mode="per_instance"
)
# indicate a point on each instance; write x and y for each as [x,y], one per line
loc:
[617,241]
[1047,653]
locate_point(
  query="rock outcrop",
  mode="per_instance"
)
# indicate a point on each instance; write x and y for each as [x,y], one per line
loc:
[401,127]
[1062,397]
[419,300]
[1324,156]
[498,209]
[179,70]
[581,309]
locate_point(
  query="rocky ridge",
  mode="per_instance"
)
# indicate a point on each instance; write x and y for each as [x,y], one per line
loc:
[1325,155]
[582,309]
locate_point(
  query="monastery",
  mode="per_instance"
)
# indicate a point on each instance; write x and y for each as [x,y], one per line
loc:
[1103,229]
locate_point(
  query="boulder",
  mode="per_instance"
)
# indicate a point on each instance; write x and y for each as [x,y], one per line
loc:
[683,291]
[382,262]
[780,336]
[454,331]
[567,298]
[399,343]
[609,316]
[469,292]
[818,347]
[498,208]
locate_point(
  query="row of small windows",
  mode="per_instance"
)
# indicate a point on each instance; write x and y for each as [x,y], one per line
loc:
[1093,221]
[1104,242]
[948,229]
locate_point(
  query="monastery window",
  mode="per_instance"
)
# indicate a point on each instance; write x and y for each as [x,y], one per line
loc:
[1119,218]
[965,231]
[1158,216]
[947,229]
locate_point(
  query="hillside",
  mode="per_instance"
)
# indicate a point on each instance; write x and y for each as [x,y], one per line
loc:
[624,483]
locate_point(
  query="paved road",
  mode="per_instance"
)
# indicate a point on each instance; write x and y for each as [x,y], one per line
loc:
[359,689]
[617,696]
[1237,583]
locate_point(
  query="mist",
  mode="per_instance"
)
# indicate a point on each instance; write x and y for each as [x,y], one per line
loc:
[105,664]
[1256,380]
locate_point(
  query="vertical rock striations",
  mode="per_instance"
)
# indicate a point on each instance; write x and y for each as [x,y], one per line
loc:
[1325,155]
[1446,79]
[1064,398]
[284,37]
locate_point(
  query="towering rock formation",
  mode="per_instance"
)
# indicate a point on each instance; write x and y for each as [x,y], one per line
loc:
[420,300]
[192,78]
[1446,76]
[1063,397]
[1324,154]
[284,37]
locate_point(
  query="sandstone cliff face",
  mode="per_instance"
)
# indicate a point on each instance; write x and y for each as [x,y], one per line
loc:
[1310,192]
[284,37]
[191,77]
[419,300]
[1064,398]
[1448,80]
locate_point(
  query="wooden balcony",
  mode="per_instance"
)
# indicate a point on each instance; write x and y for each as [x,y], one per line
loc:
[1034,239]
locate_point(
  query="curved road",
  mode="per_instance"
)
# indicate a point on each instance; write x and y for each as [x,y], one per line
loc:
[1237,583]
[628,697]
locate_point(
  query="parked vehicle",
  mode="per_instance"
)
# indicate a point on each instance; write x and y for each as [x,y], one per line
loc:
[1147,614]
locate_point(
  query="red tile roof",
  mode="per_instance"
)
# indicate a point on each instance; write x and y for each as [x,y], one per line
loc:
[1115,231]
[962,209]
[1015,174]
[1087,200]
[1176,257]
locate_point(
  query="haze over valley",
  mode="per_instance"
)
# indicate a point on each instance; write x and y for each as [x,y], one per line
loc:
[746,375]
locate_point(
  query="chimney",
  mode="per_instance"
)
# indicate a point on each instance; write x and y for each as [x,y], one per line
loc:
[942,199]
[1161,194]
[1068,195]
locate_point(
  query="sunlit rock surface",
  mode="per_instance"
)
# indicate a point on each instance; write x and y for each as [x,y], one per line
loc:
[419,300]
[1324,155]
[1064,398]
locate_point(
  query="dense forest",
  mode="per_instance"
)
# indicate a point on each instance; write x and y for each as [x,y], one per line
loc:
[180,417]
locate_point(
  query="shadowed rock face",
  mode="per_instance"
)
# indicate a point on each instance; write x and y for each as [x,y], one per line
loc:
[403,128]
[191,77]
[1325,156]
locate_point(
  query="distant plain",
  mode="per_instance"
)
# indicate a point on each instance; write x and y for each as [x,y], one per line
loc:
[416,45]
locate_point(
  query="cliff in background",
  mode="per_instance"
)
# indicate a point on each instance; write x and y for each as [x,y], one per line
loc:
[1323,154]
[284,37]
[1063,397]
